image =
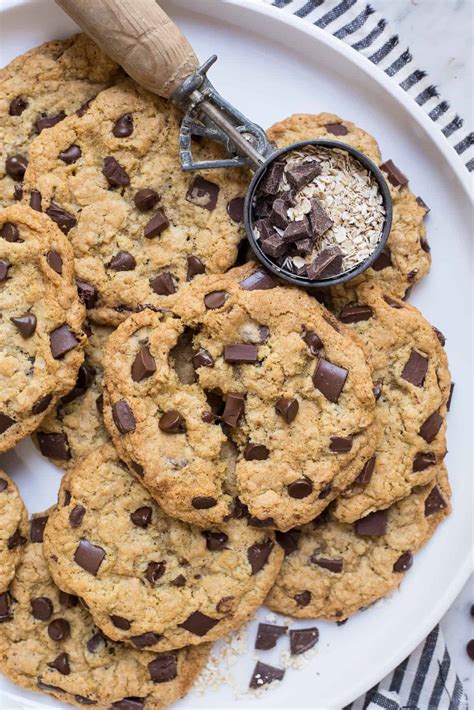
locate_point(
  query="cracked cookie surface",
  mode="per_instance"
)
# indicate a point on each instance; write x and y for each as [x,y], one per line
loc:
[41,341]
[333,569]
[149,580]
[13,530]
[269,402]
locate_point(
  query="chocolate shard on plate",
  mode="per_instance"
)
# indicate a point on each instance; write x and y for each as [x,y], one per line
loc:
[431,427]
[258,281]
[270,183]
[279,214]
[123,417]
[195,267]
[258,555]
[374,524]
[302,640]
[394,174]
[157,224]
[301,175]
[319,219]
[198,623]
[404,562]
[340,444]
[54,446]
[288,540]
[268,635]
[264,674]
[89,556]
[235,209]
[273,246]
[327,263]
[144,365]
[415,369]
[297,231]
[355,312]
[203,193]
[383,261]
[240,353]
[329,379]
[301,488]
[435,502]
[332,564]
[287,407]
[164,668]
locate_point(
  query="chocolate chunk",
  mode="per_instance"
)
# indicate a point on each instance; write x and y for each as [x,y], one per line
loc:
[415,369]
[26,324]
[365,475]
[450,396]
[287,407]
[301,175]
[301,488]
[355,312]
[279,214]
[36,200]
[331,564]
[268,635]
[215,541]
[394,174]
[123,417]
[431,427]
[55,261]
[337,129]
[234,408]
[16,540]
[264,229]
[44,121]
[85,377]
[302,598]
[123,126]
[434,502]
[15,167]
[235,209]
[59,630]
[203,502]
[120,622]
[340,444]
[404,562]
[89,556]
[319,219]
[203,193]
[41,608]
[258,281]
[144,365]
[256,452]
[163,284]
[69,601]
[154,571]
[76,515]
[61,664]
[10,233]
[18,192]
[179,581]
[195,267]
[313,342]
[263,207]
[215,299]
[145,640]
[264,674]
[327,263]
[172,422]
[129,704]
[122,261]
[259,523]
[288,540]
[198,623]
[5,422]
[157,224]
[62,340]
[54,446]
[164,668]
[302,640]
[84,701]
[115,175]
[270,182]
[304,247]
[4,266]
[383,261]
[202,359]
[37,527]
[82,110]
[374,524]
[297,231]
[329,379]
[240,352]
[141,517]
[17,106]
[423,204]
[87,294]
[273,246]
[63,219]
[47,686]
[70,155]
[145,199]
[258,554]
[392,302]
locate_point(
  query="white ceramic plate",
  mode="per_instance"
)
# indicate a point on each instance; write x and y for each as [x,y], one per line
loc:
[270,65]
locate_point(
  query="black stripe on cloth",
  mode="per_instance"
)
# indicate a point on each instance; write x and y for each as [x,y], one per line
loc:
[309,7]
[423,666]
[428,93]
[455,125]
[464,144]
[458,696]
[356,24]
[398,676]
[414,78]
[371,37]
[336,12]
[404,59]
[438,110]
[470,165]
[368,696]
[384,50]
[440,683]
[382,702]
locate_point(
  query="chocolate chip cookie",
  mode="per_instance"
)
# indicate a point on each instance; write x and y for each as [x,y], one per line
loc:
[406,258]
[149,580]
[412,384]
[41,342]
[75,427]
[49,643]
[332,569]
[37,90]
[140,227]
[13,530]
[246,389]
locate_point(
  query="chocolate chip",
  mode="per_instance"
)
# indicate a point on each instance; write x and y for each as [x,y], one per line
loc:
[288,540]
[470,649]
[145,640]
[122,261]
[154,571]
[415,369]
[337,129]
[374,524]
[5,422]
[123,417]
[394,174]
[215,299]
[258,281]
[55,261]
[41,608]
[434,502]
[63,219]
[115,175]
[144,365]
[61,664]
[234,408]
[327,263]
[76,515]
[331,564]
[383,261]
[404,562]
[15,167]
[302,640]
[70,155]
[47,686]
[301,488]
[287,407]
[340,444]
[279,214]
[313,342]
[264,674]
[268,635]
[4,266]
[179,581]
[365,475]
[258,554]
[26,324]
[44,121]
[203,502]
[36,200]
[431,427]
[297,231]
[87,294]
[37,527]
[203,193]
[302,598]
[62,340]
[59,630]
[195,267]
[54,446]
[141,517]
[120,622]
[423,204]
[123,126]
[16,540]
[256,452]
[145,199]
[85,378]
[202,359]
[215,541]
[164,668]
[355,312]
[89,556]
[172,422]
[198,623]
[129,704]
[270,182]
[329,379]
[259,523]
[301,175]
[17,106]
[392,302]
[320,220]
[240,353]
[273,246]
[235,209]
[157,224]
[10,233]
[69,601]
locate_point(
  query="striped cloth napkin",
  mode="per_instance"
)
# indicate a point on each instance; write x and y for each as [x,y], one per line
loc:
[425,680]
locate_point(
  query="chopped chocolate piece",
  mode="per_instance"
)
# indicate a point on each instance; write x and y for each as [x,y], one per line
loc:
[203,502]
[145,199]
[37,527]
[76,516]
[320,220]
[82,110]
[329,379]
[179,581]
[279,214]
[89,556]
[235,209]
[70,155]
[16,540]
[365,475]
[44,121]
[63,219]
[215,299]
[123,417]
[55,261]
[5,422]
[69,601]
[304,247]
[62,340]
[394,174]
[287,407]
[17,106]
[149,638]
[313,341]
[129,704]
[115,175]
[337,129]
[270,182]
[41,608]
[301,175]
[383,261]
[163,284]
[423,204]
[404,562]
[26,324]
[355,312]
[36,200]
[85,378]
[59,630]
[264,674]
[256,452]
[302,598]
[10,233]
[144,365]
[392,302]
[123,126]
[415,369]
[61,664]
[215,541]
[302,640]
[154,571]
[258,555]
[332,565]
[273,246]
[54,446]
[301,488]
[203,193]
[157,224]
[172,422]
[234,408]
[15,167]
[195,267]
[439,335]
[4,266]
[264,229]
[268,635]
[340,444]
[18,192]
[327,263]
[198,623]
[434,502]
[263,207]
[202,359]
[423,461]
[451,390]
[288,540]
[87,294]
[120,622]
[297,231]
[374,524]
[164,668]
[240,352]
[431,427]
[122,261]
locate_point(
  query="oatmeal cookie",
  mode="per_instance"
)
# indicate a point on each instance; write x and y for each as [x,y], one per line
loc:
[13,530]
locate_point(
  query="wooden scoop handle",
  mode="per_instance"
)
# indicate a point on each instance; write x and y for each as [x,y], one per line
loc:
[140,37]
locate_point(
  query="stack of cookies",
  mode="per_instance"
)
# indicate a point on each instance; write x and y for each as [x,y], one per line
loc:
[227,440]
